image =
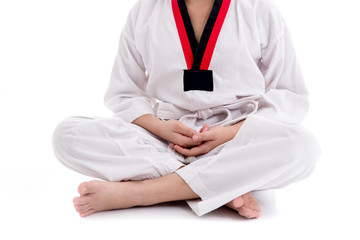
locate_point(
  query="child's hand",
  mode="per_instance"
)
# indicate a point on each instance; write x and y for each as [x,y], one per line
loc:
[177,133]
[208,139]
[171,130]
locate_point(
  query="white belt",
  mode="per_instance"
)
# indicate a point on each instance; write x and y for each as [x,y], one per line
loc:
[223,115]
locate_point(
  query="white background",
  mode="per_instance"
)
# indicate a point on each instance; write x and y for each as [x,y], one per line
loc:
[55,61]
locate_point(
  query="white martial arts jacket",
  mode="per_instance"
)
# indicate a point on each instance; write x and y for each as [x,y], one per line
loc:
[252,59]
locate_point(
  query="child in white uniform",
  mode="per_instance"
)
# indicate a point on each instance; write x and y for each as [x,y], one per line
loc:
[207,99]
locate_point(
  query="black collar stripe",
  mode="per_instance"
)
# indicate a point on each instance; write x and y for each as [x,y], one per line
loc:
[188,26]
[187,34]
[198,56]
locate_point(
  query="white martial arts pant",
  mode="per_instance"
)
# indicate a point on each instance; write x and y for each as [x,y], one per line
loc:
[263,155]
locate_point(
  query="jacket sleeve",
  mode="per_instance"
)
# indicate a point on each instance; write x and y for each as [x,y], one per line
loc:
[126,96]
[286,97]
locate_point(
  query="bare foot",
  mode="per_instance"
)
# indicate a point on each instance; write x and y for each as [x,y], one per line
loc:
[246,205]
[96,196]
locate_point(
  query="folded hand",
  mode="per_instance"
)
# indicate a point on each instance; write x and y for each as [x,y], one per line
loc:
[178,133]
[208,139]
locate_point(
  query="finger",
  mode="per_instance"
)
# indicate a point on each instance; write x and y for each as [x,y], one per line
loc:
[185,141]
[185,130]
[184,151]
[206,128]
[195,151]
[195,138]
[204,136]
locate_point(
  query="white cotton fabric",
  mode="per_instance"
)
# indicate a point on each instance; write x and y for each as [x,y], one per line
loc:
[265,154]
[253,56]
[256,77]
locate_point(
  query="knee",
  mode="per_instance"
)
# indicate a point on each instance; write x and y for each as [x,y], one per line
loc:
[62,139]
[305,151]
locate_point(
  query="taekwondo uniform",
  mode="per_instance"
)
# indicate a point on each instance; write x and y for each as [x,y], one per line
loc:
[244,67]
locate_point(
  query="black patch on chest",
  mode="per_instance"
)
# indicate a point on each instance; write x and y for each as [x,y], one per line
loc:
[198,80]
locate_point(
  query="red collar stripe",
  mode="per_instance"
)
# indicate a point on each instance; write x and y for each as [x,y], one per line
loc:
[182,34]
[214,35]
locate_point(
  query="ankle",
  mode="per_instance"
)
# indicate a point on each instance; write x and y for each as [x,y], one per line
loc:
[143,192]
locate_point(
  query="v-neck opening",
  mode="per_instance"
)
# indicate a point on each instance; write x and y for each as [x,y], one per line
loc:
[198,48]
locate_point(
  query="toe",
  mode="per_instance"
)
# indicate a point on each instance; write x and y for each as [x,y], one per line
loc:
[252,215]
[76,201]
[245,212]
[81,201]
[238,202]
[85,214]
[255,214]
[250,202]
[248,213]
[89,187]
[83,188]
[83,208]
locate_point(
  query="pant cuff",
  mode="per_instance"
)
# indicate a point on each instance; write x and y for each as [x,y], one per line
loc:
[191,177]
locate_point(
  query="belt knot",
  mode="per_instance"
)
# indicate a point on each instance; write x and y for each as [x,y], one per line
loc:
[204,113]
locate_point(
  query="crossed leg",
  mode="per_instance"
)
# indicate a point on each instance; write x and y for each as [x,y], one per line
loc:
[96,196]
